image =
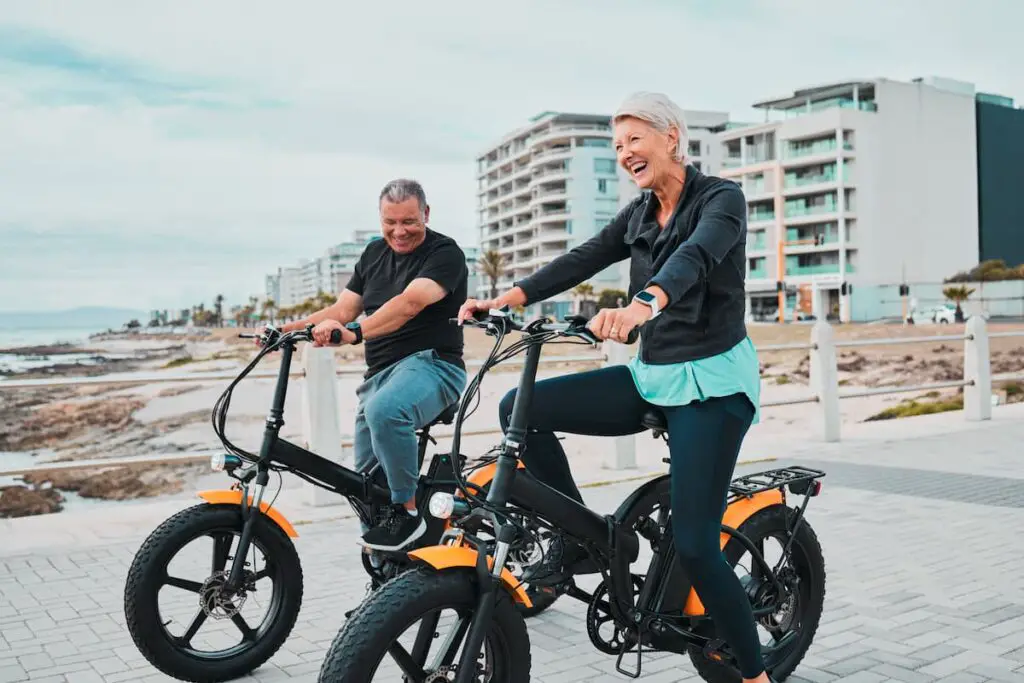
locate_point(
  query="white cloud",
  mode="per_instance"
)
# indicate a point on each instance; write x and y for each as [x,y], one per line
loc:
[260,132]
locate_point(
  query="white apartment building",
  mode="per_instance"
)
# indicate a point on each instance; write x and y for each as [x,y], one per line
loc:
[544,189]
[860,183]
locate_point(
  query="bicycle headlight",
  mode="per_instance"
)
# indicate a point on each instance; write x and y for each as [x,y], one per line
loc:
[441,505]
[224,461]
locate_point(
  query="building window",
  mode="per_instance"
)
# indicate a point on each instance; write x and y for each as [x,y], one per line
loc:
[595,142]
[694,148]
[602,186]
[568,226]
[604,166]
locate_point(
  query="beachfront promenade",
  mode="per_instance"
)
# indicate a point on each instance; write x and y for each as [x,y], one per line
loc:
[920,521]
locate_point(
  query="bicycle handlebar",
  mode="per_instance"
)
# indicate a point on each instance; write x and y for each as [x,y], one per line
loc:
[574,325]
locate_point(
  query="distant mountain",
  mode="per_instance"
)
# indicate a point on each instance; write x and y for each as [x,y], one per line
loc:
[91,317]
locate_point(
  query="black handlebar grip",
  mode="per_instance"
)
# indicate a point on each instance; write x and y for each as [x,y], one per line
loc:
[634,334]
[335,336]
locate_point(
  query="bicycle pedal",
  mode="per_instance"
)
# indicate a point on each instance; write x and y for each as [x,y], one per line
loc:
[715,651]
[639,656]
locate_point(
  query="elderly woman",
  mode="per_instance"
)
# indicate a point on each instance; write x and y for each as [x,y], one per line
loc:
[684,236]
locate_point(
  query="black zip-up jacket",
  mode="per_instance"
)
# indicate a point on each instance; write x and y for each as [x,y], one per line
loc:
[698,260]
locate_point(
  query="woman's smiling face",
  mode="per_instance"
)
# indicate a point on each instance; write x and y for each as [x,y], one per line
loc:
[643,151]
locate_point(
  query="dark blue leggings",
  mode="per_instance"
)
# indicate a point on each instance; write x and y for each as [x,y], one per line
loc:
[704,443]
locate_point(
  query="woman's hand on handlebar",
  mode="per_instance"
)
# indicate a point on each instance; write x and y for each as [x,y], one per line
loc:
[472,306]
[617,323]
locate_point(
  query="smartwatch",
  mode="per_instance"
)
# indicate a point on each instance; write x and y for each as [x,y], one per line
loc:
[648,299]
[357,329]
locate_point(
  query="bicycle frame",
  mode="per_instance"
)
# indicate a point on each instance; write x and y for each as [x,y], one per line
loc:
[666,599]
[362,489]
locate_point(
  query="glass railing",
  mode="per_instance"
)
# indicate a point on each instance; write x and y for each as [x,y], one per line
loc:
[756,188]
[761,216]
[829,176]
[833,103]
[793,151]
[820,269]
[757,274]
[794,235]
[759,243]
[795,211]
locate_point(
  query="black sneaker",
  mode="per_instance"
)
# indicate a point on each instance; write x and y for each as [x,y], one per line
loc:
[397,529]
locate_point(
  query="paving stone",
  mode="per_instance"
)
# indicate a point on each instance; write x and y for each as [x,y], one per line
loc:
[916,589]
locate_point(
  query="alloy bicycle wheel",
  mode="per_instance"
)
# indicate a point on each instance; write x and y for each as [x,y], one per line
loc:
[181,618]
[381,641]
[803,576]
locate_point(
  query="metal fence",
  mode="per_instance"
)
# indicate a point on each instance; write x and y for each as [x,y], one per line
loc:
[321,414]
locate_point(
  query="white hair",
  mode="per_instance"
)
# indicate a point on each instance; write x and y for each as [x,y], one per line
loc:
[658,110]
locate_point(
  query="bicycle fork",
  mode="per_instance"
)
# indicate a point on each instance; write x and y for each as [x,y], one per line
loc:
[488,580]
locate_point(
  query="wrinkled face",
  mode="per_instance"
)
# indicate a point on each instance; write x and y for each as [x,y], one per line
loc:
[643,151]
[403,225]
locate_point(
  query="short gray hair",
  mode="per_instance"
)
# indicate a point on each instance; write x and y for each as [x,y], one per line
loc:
[661,112]
[403,189]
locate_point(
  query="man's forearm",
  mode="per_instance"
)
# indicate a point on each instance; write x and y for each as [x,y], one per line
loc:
[335,311]
[389,317]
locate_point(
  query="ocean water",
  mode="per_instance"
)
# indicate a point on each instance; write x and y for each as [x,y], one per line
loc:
[17,338]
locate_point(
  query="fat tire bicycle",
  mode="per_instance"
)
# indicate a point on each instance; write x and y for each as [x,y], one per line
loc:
[241,512]
[658,610]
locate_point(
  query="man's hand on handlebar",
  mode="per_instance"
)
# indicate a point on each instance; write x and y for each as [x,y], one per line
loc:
[322,334]
[617,323]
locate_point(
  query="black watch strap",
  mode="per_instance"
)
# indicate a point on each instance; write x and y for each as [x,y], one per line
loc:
[358,330]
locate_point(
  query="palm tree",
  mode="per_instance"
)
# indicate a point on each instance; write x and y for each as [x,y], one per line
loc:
[268,310]
[584,292]
[218,309]
[958,295]
[492,266]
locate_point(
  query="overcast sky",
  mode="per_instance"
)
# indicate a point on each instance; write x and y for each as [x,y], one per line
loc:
[154,154]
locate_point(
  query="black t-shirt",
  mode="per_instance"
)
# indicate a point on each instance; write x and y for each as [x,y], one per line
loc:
[381,274]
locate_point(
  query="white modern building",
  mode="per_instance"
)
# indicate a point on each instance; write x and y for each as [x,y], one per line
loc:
[859,183]
[544,189]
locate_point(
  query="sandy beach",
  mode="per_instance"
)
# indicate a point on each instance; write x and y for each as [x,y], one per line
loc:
[43,424]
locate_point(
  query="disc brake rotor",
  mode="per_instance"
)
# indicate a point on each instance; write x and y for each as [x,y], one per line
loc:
[218,603]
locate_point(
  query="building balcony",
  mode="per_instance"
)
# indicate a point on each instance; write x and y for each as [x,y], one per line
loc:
[552,153]
[806,152]
[760,217]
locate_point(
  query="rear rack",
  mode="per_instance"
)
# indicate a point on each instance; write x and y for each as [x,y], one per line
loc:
[798,479]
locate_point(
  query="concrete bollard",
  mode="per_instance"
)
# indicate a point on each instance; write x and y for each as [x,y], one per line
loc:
[977,371]
[824,378]
[321,422]
[624,453]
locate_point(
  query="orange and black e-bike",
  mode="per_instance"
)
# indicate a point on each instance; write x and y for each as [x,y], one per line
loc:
[648,607]
[240,522]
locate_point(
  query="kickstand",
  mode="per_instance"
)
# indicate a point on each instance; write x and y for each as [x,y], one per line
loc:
[639,654]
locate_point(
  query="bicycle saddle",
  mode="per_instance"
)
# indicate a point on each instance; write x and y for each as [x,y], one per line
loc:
[447,415]
[654,420]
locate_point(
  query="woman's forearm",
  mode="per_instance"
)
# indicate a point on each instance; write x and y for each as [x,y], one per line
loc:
[512,298]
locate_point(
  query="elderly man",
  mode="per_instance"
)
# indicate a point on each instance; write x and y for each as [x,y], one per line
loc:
[409,284]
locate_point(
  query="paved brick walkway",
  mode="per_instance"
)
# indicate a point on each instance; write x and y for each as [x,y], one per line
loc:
[921,538]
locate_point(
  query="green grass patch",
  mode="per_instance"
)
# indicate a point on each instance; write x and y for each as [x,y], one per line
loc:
[782,379]
[178,362]
[914,408]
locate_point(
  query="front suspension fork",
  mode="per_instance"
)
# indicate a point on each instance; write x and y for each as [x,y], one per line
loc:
[488,581]
[249,515]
